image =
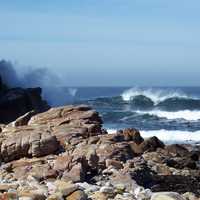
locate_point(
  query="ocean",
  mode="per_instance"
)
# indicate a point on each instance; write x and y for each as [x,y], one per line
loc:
[170,113]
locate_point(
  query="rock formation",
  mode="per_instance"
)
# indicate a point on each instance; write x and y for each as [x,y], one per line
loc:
[64,153]
[15,102]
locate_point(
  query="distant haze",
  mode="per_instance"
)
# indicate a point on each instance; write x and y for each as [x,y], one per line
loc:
[104,42]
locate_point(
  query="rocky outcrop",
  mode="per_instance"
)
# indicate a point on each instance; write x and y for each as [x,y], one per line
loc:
[17,101]
[48,132]
[64,153]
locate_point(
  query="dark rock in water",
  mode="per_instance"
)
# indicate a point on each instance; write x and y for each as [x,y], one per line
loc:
[142,101]
[176,103]
[17,101]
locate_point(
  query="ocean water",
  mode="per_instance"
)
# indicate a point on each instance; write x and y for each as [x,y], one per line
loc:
[172,114]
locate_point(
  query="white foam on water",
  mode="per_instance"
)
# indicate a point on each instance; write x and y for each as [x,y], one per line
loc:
[72,91]
[156,95]
[173,135]
[190,115]
[169,136]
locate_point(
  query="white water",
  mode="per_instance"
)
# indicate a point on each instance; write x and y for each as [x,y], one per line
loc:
[170,136]
[156,95]
[183,114]
[72,91]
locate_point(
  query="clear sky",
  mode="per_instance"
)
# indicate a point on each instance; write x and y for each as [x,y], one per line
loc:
[105,42]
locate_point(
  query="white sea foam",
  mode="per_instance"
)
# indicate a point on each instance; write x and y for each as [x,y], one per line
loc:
[170,136]
[72,91]
[173,135]
[190,115]
[156,95]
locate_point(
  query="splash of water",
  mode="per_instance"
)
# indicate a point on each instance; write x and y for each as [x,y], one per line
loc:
[156,95]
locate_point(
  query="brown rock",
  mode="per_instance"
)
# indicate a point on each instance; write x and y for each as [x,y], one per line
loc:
[23,120]
[28,144]
[77,195]
[115,163]
[7,186]
[76,174]
[151,144]
[131,134]
[65,188]
[63,162]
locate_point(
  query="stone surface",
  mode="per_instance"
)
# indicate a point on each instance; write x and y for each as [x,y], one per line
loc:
[18,101]
[65,154]
[167,196]
[77,195]
[65,188]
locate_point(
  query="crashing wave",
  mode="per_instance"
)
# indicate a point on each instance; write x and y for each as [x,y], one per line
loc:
[183,114]
[156,95]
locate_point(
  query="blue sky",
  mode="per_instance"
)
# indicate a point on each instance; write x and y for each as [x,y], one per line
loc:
[105,42]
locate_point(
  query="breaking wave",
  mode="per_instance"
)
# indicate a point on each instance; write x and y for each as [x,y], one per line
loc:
[151,99]
[156,95]
[184,114]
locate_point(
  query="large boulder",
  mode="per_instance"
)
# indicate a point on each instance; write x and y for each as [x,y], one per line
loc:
[49,132]
[28,143]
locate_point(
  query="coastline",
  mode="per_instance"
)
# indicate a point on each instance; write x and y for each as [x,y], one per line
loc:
[65,153]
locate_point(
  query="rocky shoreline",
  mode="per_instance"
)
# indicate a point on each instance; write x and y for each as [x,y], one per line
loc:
[64,153]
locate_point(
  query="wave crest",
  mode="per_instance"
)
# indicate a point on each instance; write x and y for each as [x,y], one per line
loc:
[184,114]
[156,95]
